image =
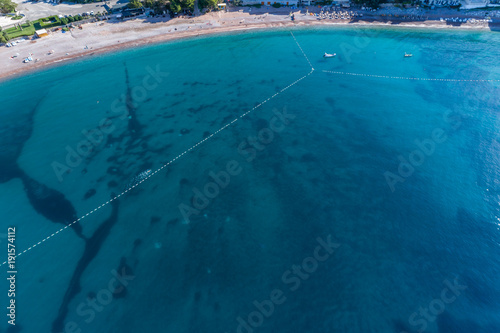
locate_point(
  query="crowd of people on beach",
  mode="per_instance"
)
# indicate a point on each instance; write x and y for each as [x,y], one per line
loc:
[337,13]
[411,17]
[413,14]
[466,20]
[442,3]
[328,12]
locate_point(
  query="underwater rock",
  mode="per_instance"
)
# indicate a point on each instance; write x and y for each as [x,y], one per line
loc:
[50,203]
[89,193]
[92,247]
[124,270]
[112,184]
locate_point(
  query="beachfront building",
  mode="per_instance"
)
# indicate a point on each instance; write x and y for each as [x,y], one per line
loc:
[342,3]
[307,2]
[116,8]
[270,2]
[41,33]
[470,4]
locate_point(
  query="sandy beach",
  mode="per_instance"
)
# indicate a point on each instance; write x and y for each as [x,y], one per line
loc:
[112,35]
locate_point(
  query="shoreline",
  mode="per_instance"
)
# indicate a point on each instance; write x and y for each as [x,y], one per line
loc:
[158,35]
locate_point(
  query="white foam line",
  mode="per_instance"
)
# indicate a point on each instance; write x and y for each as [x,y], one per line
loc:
[407,78]
[163,166]
[305,56]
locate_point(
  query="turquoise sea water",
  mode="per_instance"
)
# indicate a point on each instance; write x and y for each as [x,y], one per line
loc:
[416,247]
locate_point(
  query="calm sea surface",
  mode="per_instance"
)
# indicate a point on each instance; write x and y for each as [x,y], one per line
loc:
[344,203]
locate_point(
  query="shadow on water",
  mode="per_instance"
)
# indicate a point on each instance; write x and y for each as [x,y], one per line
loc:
[134,126]
[15,131]
[50,203]
[92,247]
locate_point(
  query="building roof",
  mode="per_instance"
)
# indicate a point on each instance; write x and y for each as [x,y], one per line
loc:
[41,32]
[117,7]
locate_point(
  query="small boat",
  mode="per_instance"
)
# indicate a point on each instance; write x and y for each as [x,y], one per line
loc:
[329,55]
[408,55]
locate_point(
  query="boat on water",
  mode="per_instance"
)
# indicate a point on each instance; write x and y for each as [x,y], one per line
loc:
[329,55]
[408,55]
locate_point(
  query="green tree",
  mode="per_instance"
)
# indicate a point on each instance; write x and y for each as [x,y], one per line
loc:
[189,4]
[159,6]
[5,37]
[134,4]
[175,6]
[7,6]
[148,4]
[207,4]
[370,3]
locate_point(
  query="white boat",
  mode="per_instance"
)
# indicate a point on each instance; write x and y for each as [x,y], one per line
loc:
[329,55]
[407,55]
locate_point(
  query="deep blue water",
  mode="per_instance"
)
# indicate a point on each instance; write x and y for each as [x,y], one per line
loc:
[399,177]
